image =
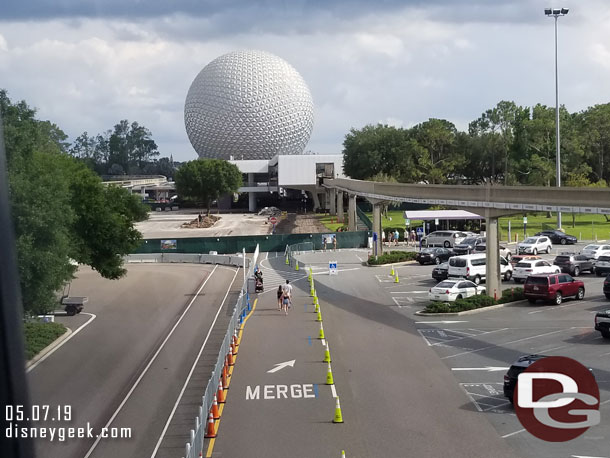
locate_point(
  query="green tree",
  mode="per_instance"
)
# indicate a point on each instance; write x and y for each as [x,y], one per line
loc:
[61,209]
[205,180]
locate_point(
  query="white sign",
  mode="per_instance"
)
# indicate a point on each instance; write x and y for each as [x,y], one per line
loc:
[332,267]
[436,221]
[280,366]
[407,222]
[296,391]
[525,220]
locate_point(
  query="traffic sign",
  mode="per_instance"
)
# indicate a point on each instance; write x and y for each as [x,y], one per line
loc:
[273,220]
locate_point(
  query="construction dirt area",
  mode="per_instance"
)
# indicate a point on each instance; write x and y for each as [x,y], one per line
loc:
[300,224]
[172,224]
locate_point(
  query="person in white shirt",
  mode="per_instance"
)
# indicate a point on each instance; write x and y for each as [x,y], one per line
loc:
[286,296]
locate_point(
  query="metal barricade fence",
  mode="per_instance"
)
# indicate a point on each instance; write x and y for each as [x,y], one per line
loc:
[292,250]
[195,446]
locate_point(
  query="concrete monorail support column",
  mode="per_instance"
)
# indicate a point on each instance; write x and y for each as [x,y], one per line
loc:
[340,212]
[377,245]
[333,201]
[251,195]
[493,281]
[351,213]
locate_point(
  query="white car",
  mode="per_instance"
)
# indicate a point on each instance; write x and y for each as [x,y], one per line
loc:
[595,251]
[504,252]
[535,245]
[525,268]
[451,290]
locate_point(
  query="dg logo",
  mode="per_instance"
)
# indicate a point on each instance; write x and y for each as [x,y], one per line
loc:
[557,399]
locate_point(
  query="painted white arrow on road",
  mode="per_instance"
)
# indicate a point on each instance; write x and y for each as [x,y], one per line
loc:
[280,366]
[487,369]
[440,322]
[583,456]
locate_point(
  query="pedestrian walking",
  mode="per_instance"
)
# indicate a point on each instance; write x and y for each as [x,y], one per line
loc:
[396,236]
[383,237]
[286,297]
[280,293]
[413,236]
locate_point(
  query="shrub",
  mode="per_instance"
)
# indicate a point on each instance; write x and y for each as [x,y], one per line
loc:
[470,303]
[38,335]
[510,295]
[392,257]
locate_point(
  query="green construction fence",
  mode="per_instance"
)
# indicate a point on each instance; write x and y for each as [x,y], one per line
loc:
[235,244]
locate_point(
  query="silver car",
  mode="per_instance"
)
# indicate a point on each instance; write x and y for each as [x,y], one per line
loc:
[445,239]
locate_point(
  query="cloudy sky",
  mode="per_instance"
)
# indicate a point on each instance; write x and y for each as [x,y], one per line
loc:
[86,64]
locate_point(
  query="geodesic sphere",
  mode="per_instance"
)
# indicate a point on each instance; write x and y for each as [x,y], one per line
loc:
[250,105]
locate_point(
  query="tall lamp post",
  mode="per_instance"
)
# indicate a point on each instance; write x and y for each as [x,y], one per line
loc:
[555,13]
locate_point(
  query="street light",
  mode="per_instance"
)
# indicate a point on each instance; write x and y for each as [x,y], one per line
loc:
[556,12]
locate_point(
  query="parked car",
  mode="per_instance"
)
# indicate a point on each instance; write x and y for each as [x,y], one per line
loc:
[510,379]
[557,236]
[602,266]
[517,258]
[445,239]
[473,267]
[535,245]
[595,250]
[529,267]
[441,272]
[504,252]
[553,287]
[574,264]
[602,323]
[468,245]
[451,290]
[433,255]
[607,287]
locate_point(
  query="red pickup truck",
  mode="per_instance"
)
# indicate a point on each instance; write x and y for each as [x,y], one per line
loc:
[553,287]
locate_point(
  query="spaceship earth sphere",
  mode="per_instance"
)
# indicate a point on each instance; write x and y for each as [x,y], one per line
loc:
[250,105]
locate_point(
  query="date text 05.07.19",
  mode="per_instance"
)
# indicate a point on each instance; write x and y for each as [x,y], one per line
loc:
[36,412]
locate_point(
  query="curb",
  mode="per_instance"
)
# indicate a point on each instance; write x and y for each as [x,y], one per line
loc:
[390,264]
[471,312]
[48,348]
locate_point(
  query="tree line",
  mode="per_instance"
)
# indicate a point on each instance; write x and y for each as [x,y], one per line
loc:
[63,215]
[508,144]
[127,149]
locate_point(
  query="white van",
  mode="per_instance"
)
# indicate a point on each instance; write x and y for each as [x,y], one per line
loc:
[472,267]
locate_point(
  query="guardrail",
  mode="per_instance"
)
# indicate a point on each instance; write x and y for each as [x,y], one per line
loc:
[365,219]
[193,258]
[194,448]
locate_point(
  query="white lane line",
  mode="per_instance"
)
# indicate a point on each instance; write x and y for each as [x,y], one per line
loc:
[512,434]
[553,349]
[466,337]
[188,378]
[79,329]
[361,260]
[505,343]
[424,337]
[395,299]
[334,391]
[152,360]
[409,292]
[476,404]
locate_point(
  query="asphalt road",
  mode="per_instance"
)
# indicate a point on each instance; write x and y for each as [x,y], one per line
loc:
[130,362]
[409,385]
[398,398]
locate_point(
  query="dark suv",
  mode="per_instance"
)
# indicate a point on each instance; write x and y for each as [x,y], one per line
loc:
[574,264]
[607,286]
[510,379]
[558,237]
[552,287]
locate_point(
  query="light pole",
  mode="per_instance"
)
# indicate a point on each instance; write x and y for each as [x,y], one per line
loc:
[555,13]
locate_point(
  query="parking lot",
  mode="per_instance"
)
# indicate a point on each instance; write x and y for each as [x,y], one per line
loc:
[479,348]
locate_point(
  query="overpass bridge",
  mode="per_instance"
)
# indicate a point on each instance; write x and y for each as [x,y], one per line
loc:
[489,201]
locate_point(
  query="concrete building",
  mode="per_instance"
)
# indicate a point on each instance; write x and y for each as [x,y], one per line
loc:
[303,172]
